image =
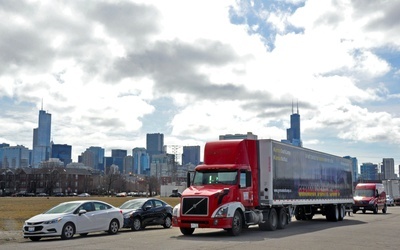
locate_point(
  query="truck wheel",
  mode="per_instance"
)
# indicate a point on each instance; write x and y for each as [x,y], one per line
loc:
[282,219]
[384,209]
[186,231]
[271,223]
[375,209]
[237,224]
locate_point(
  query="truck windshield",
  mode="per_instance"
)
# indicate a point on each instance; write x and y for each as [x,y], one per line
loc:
[213,177]
[364,192]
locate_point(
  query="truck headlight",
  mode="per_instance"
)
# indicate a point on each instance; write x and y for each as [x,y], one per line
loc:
[222,212]
[175,211]
[372,201]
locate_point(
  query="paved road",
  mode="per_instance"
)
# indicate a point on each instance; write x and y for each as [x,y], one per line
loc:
[360,231]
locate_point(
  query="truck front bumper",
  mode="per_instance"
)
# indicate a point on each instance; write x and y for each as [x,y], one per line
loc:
[191,222]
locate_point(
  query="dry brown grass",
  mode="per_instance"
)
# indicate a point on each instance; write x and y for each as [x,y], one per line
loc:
[15,210]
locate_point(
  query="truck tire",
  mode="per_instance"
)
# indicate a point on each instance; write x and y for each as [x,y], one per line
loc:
[332,213]
[237,224]
[384,209]
[186,230]
[375,209]
[342,212]
[271,222]
[282,218]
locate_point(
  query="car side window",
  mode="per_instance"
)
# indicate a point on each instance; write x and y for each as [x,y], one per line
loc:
[158,203]
[148,203]
[100,206]
[88,206]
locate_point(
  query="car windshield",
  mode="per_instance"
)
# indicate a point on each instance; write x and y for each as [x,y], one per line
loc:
[134,204]
[215,177]
[364,192]
[63,208]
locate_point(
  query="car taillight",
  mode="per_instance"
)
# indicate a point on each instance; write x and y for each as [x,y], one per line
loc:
[120,211]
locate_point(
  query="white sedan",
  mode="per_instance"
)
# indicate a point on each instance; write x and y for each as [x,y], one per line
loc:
[74,217]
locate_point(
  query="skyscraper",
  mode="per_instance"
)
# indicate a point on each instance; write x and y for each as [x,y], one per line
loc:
[154,143]
[388,169]
[41,149]
[141,161]
[191,154]
[293,133]
[62,152]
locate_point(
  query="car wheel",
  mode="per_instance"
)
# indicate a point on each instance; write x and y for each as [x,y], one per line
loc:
[68,231]
[186,231]
[136,225]
[375,210]
[114,226]
[167,222]
[35,238]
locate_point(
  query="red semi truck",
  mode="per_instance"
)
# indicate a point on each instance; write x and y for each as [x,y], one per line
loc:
[264,183]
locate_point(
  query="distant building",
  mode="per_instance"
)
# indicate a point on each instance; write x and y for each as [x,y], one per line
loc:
[118,156]
[293,133]
[249,135]
[387,169]
[162,165]
[41,150]
[15,157]
[369,172]
[191,154]
[155,144]
[354,164]
[62,152]
[141,161]
[2,145]
[128,164]
[93,157]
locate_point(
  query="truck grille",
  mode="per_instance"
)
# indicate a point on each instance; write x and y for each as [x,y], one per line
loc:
[195,206]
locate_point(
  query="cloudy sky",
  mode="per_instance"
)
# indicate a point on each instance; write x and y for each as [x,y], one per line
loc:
[109,72]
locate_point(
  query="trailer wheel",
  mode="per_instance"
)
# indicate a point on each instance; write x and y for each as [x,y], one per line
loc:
[342,212]
[237,224]
[332,213]
[271,222]
[282,219]
[186,230]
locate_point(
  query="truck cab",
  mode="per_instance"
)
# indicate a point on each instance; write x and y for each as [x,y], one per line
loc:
[369,196]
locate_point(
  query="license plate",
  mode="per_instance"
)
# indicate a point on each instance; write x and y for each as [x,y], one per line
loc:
[31,229]
[194,225]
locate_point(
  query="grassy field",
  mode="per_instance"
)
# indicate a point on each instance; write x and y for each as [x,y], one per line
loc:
[15,210]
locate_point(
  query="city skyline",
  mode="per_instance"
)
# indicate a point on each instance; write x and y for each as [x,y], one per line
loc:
[112,72]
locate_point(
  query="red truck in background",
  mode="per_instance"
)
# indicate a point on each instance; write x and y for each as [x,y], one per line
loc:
[370,196]
[264,183]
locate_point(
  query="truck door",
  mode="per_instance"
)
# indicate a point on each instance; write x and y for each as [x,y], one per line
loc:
[245,188]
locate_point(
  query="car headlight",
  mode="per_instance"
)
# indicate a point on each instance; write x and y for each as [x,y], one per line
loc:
[127,215]
[56,220]
[222,212]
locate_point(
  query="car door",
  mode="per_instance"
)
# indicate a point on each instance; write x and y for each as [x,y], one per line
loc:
[148,212]
[85,222]
[160,211]
[101,216]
